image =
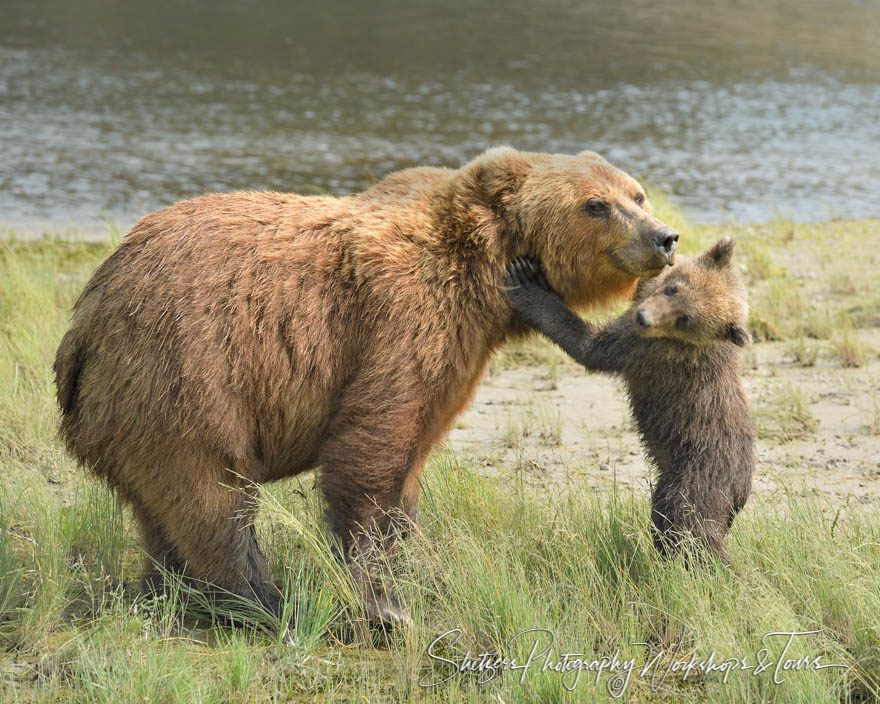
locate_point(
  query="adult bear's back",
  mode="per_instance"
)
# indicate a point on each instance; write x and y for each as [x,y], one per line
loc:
[215,323]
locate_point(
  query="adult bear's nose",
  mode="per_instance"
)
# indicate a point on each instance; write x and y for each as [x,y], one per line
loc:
[664,242]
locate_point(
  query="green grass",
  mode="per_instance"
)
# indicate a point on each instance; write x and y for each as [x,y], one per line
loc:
[495,557]
[803,352]
[847,348]
[785,415]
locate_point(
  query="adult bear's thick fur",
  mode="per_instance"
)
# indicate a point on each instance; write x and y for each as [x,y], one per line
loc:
[236,339]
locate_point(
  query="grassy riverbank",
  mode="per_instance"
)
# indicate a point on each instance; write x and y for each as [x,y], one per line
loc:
[534,516]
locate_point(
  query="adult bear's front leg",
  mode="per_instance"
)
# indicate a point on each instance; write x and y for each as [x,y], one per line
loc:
[369,459]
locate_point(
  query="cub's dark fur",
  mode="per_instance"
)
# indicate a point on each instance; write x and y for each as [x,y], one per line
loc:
[676,349]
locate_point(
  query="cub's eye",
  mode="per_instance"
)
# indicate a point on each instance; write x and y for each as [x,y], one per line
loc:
[671,290]
[597,207]
[684,322]
[639,199]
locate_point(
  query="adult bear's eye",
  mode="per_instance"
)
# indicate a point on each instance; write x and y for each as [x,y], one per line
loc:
[639,199]
[597,207]
[671,290]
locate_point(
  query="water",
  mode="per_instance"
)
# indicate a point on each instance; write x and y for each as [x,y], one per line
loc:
[741,110]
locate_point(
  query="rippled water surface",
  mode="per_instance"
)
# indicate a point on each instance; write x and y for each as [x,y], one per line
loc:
[113,108]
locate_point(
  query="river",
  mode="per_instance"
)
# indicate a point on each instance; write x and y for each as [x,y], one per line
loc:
[742,111]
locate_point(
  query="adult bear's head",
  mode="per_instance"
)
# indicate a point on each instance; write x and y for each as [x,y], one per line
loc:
[588,222]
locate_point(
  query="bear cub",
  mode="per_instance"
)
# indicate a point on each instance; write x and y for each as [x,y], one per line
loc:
[676,350]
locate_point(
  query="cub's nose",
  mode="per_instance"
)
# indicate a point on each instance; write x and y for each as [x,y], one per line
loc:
[642,320]
[664,242]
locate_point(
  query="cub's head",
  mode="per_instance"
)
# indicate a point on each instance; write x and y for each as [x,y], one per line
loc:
[589,223]
[699,300]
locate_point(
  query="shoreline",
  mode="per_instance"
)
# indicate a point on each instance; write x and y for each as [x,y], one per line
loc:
[71,232]
[94,232]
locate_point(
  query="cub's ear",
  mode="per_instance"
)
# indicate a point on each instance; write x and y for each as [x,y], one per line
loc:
[499,171]
[720,254]
[739,336]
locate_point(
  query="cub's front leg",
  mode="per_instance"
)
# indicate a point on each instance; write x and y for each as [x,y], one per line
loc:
[541,308]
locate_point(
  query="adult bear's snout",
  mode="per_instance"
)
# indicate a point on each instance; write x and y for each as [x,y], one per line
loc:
[664,243]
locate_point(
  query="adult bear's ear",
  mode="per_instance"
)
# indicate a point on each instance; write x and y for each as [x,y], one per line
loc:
[593,156]
[720,254]
[499,172]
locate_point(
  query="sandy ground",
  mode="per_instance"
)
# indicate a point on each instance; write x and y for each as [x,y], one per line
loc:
[567,425]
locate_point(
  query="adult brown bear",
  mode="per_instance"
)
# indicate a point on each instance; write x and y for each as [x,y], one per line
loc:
[236,339]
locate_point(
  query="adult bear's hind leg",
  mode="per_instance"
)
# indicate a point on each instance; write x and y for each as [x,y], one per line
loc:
[161,556]
[201,521]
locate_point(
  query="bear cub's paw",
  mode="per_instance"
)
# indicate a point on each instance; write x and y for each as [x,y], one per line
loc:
[526,273]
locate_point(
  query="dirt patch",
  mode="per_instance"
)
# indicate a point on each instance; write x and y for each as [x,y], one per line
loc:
[578,426]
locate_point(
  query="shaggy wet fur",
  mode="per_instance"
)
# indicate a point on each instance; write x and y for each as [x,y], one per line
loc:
[240,338]
[676,349]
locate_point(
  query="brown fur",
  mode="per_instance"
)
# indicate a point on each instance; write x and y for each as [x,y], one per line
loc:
[240,338]
[673,349]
